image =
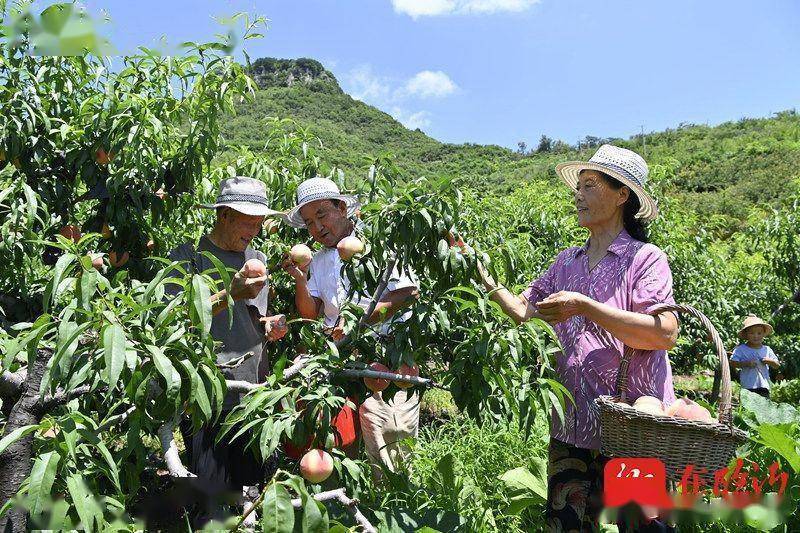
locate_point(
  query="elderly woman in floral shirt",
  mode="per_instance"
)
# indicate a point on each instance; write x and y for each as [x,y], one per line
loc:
[599,297]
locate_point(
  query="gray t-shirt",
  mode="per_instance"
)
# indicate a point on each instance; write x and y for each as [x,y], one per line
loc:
[246,334]
[758,376]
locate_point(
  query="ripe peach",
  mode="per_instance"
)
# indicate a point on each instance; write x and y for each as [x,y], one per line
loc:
[690,410]
[348,247]
[118,260]
[254,268]
[102,157]
[300,255]
[71,232]
[316,466]
[376,384]
[97,260]
[406,371]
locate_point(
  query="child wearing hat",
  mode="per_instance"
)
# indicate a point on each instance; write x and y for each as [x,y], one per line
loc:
[753,357]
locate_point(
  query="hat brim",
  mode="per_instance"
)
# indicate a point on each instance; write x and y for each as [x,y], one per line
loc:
[294,219]
[770,329]
[570,170]
[246,208]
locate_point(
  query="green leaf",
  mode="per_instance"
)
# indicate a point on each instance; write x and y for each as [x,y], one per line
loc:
[200,310]
[87,508]
[766,411]
[277,511]
[313,519]
[114,349]
[525,488]
[777,439]
[43,474]
[164,367]
[88,285]
[51,293]
[15,435]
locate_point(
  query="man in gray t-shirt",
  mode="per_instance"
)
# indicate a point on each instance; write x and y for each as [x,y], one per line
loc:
[241,208]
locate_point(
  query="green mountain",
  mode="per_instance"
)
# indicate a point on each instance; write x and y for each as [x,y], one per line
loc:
[721,170]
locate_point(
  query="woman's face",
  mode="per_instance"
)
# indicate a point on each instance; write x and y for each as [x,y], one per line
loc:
[596,201]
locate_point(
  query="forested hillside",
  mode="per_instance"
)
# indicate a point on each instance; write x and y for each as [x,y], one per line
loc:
[721,170]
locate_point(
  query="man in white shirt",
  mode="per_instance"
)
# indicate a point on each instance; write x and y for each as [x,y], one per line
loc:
[321,290]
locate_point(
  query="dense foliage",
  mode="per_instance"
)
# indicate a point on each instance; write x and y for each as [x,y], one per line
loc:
[98,364]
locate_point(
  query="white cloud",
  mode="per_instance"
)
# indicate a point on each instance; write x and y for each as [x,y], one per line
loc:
[428,83]
[412,121]
[430,8]
[362,84]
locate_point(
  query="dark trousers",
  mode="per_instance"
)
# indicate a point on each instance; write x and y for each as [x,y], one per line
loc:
[575,493]
[222,471]
[761,391]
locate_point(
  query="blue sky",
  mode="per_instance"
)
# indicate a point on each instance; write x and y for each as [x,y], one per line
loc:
[502,71]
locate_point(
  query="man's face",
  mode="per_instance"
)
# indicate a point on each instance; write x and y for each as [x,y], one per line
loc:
[326,221]
[755,334]
[238,229]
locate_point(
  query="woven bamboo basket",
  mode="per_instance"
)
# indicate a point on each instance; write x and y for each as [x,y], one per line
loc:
[627,432]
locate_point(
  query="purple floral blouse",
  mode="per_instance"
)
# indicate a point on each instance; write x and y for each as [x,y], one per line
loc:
[633,276]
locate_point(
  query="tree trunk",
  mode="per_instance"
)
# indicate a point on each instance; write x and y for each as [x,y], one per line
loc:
[15,461]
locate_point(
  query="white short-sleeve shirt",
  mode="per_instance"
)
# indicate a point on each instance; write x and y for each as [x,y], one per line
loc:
[757,377]
[327,283]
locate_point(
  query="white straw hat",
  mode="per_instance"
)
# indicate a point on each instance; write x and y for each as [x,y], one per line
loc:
[314,189]
[624,165]
[243,194]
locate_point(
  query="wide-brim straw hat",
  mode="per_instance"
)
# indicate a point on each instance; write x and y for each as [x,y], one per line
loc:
[314,189]
[753,320]
[243,194]
[624,165]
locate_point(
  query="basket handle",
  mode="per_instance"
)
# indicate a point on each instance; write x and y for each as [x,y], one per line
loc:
[724,412]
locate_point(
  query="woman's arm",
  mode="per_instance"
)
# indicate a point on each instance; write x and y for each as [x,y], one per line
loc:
[515,306]
[637,330]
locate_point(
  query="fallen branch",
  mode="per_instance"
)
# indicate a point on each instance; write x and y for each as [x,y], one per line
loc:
[170,451]
[350,503]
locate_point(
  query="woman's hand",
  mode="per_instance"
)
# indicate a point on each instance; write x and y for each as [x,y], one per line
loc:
[562,306]
[488,281]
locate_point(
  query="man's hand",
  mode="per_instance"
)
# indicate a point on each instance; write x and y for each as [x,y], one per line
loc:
[299,274]
[275,327]
[561,306]
[243,288]
[336,332]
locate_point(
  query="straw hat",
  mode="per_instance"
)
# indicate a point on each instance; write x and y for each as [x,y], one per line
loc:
[314,189]
[624,165]
[245,195]
[753,320]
